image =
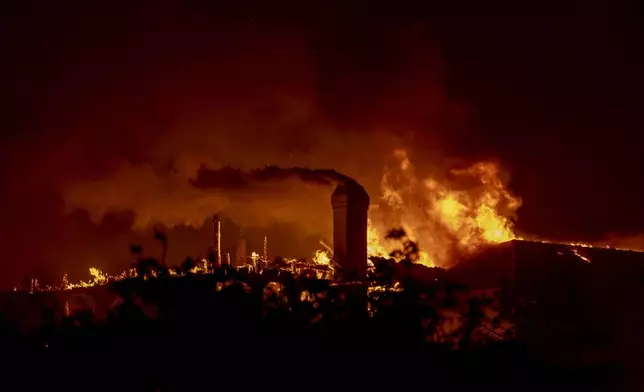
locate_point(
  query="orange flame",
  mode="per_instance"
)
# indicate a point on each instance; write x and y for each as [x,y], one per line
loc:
[321,257]
[444,219]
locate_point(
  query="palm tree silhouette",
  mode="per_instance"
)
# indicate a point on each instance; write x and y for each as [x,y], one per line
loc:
[147,267]
[163,239]
[136,251]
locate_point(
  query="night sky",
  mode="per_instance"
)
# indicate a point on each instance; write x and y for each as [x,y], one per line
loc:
[118,103]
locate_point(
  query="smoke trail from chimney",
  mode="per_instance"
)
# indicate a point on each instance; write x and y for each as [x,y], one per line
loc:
[350,202]
[231,178]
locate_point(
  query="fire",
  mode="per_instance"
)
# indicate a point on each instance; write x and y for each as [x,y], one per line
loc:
[321,257]
[99,278]
[374,247]
[445,218]
[576,253]
[254,256]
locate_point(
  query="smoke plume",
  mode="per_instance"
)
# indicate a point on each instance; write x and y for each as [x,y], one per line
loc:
[230,178]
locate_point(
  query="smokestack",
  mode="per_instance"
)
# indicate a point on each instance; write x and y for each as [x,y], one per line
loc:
[350,203]
[216,246]
[240,256]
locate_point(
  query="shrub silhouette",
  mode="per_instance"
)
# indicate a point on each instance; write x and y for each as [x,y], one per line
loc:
[409,251]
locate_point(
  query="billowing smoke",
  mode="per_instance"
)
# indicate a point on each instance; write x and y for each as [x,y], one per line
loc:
[182,196]
[299,196]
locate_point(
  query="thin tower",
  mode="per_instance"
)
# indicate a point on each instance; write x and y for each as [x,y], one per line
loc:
[217,240]
[240,256]
[266,249]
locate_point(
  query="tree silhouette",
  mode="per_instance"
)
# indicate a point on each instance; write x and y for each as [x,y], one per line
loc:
[163,239]
[409,249]
[136,251]
[187,265]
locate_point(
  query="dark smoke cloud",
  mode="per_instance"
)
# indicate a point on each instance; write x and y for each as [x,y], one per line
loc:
[230,178]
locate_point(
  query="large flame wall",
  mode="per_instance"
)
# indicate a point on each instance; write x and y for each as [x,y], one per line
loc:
[447,215]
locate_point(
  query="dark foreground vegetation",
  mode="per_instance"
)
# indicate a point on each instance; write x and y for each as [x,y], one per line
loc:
[402,330]
[227,330]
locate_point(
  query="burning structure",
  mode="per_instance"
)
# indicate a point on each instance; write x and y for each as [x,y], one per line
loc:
[464,228]
[448,221]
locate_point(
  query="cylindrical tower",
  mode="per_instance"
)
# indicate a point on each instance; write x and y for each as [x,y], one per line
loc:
[350,203]
[216,246]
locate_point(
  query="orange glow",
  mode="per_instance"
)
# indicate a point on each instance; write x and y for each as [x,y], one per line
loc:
[444,219]
[321,257]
